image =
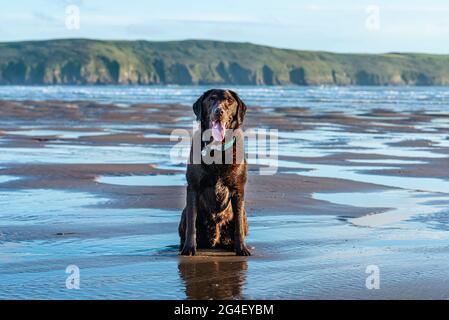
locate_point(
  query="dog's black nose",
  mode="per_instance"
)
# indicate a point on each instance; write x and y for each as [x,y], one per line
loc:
[219,112]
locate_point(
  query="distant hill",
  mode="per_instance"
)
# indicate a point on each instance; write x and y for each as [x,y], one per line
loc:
[79,61]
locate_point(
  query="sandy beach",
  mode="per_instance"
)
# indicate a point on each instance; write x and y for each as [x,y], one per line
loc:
[91,184]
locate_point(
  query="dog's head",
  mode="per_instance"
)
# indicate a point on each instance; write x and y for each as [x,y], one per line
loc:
[219,110]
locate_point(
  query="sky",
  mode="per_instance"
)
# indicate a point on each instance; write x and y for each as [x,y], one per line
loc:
[340,25]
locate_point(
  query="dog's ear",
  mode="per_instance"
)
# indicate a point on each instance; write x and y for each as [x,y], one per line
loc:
[241,108]
[198,105]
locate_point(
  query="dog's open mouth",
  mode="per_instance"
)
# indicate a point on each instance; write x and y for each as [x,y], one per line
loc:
[218,130]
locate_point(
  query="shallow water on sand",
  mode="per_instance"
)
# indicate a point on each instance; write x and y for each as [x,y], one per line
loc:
[7,178]
[130,251]
[58,133]
[148,180]
[64,153]
[362,173]
[407,203]
[348,99]
[294,257]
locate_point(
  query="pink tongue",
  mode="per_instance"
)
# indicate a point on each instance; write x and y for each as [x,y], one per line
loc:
[218,131]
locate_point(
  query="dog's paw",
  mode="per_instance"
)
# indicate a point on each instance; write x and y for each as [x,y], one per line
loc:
[188,251]
[242,251]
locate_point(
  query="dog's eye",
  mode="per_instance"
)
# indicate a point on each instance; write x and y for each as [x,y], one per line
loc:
[229,100]
[213,98]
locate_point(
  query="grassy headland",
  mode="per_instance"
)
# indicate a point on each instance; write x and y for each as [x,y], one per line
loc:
[80,61]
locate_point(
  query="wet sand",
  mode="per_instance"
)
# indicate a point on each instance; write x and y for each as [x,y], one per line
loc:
[92,185]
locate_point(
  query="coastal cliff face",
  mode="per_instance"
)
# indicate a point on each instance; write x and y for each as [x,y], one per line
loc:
[78,61]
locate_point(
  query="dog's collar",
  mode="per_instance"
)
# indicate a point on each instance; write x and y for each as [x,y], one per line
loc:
[218,147]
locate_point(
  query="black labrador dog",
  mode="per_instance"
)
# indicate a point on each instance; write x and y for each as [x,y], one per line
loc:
[215,216]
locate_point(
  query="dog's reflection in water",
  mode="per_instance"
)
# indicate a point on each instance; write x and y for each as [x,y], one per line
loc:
[213,277]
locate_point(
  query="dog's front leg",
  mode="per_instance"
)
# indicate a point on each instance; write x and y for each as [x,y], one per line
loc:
[191,211]
[239,219]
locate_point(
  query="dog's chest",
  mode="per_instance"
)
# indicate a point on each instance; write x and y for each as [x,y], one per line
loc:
[223,210]
[221,191]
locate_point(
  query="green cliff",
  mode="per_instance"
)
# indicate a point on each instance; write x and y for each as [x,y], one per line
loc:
[79,61]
